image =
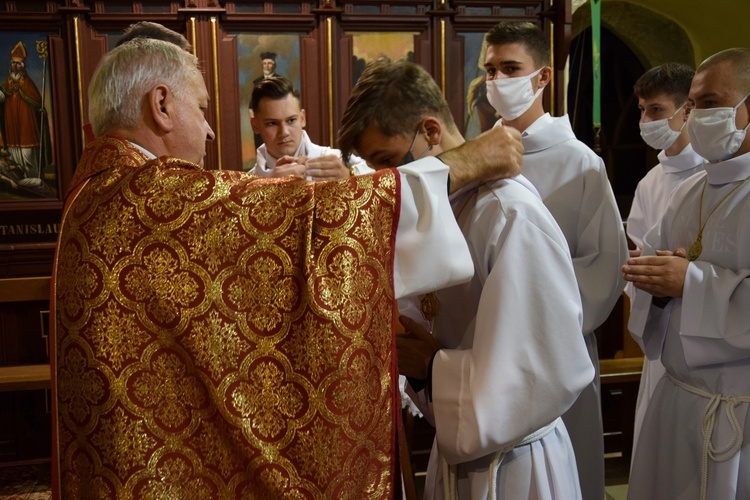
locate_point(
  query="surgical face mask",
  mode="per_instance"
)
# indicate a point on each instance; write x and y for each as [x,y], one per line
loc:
[658,134]
[512,97]
[409,157]
[713,133]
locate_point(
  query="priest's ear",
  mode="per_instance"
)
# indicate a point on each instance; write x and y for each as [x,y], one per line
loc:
[161,106]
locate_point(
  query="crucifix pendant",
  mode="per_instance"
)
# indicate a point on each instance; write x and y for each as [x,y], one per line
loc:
[695,249]
[430,306]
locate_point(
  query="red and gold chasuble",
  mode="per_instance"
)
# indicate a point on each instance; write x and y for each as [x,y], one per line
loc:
[219,335]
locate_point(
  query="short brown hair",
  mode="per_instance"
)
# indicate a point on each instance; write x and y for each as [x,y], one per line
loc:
[670,79]
[739,61]
[523,33]
[394,96]
[276,87]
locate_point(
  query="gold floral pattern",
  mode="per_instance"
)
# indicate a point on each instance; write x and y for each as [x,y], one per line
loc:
[347,288]
[161,285]
[175,478]
[265,293]
[333,208]
[267,400]
[220,335]
[216,449]
[357,391]
[207,238]
[81,482]
[270,205]
[116,228]
[120,426]
[313,341]
[115,336]
[162,189]
[80,387]
[169,390]
[318,450]
[214,344]
[78,281]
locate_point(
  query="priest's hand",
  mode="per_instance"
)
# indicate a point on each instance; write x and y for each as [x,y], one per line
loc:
[290,165]
[661,275]
[415,349]
[327,168]
[496,154]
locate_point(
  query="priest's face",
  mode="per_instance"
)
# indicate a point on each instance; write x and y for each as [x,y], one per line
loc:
[191,130]
[280,122]
[381,151]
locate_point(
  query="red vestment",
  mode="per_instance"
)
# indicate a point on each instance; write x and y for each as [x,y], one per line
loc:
[220,335]
[22,102]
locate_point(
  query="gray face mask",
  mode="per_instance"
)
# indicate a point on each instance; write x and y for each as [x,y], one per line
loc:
[409,157]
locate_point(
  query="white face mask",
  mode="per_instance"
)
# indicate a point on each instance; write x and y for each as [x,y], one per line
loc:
[658,134]
[512,97]
[713,133]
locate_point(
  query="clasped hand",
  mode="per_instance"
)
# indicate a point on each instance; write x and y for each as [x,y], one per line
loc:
[323,168]
[415,348]
[661,275]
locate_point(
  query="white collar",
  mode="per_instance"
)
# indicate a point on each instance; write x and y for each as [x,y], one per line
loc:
[731,170]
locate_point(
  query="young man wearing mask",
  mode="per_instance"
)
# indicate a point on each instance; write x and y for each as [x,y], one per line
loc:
[573,183]
[662,94]
[693,313]
[287,149]
[504,357]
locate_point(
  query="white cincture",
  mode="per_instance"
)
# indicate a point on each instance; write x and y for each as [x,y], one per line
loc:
[709,420]
[450,488]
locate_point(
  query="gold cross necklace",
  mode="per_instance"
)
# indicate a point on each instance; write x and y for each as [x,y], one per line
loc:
[697,247]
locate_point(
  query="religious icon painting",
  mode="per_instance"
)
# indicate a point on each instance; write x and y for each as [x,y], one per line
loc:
[368,46]
[27,166]
[262,56]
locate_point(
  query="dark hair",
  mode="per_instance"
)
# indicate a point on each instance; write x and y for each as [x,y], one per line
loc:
[276,87]
[523,33]
[670,79]
[394,96]
[155,31]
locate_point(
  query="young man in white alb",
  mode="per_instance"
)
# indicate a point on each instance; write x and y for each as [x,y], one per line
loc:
[662,94]
[505,357]
[287,150]
[573,183]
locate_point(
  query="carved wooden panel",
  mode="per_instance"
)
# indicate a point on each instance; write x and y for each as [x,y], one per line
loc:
[444,36]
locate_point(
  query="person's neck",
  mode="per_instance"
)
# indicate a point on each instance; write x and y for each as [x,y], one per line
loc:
[679,145]
[451,140]
[525,120]
[151,144]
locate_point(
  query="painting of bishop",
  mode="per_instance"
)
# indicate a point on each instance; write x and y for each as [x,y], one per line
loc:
[25,152]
